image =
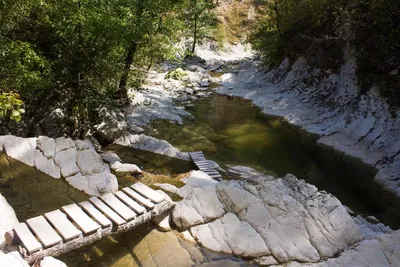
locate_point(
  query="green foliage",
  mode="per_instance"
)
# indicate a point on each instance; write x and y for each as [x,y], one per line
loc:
[177,74]
[200,20]
[319,30]
[73,51]
[10,106]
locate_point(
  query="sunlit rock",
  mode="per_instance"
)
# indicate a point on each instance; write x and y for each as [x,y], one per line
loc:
[7,220]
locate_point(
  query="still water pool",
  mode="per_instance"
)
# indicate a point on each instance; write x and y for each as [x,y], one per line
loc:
[235,132]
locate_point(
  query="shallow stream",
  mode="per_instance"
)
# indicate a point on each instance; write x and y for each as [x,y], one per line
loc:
[233,131]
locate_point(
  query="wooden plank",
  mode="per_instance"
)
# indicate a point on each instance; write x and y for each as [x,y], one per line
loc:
[65,227]
[96,214]
[145,202]
[203,162]
[27,238]
[118,206]
[106,210]
[208,169]
[149,193]
[208,166]
[46,234]
[139,209]
[81,218]
[211,172]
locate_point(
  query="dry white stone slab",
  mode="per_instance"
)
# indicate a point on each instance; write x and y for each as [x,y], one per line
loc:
[284,218]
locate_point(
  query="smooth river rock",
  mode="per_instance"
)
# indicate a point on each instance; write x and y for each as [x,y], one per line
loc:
[125,168]
[284,218]
[151,144]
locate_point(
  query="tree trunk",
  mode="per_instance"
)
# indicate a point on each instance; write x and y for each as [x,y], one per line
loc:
[194,33]
[278,18]
[122,91]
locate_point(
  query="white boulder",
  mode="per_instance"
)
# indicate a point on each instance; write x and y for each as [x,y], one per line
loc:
[125,168]
[52,262]
[21,149]
[7,219]
[47,146]
[284,218]
[46,165]
[12,259]
[66,160]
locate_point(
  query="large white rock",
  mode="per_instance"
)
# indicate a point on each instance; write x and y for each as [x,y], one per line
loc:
[285,218]
[201,206]
[383,251]
[52,262]
[96,184]
[81,183]
[89,162]
[151,144]
[21,149]
[66,160]
[46,165]
[64,143]
[102,183]
[13,259]
[47,146]
[229,234]
[7,219]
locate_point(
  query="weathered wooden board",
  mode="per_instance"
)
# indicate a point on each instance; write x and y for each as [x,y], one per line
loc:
[147,203]
[212,173]
[107,211]
[46,234]
[204,165]
[139,209]
[27,238]
[149,193]
[96,214]
[64,226]
[118,206]
[85,223]
[202,162]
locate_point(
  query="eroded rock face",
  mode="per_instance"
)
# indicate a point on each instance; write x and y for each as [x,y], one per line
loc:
[329,105]
[76,161]
[384,250]
[283,218]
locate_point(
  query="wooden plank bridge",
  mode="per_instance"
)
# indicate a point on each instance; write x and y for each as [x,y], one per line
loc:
[81,224]
[204,165]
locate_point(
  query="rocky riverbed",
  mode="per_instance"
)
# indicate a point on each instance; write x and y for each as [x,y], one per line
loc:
[265,220]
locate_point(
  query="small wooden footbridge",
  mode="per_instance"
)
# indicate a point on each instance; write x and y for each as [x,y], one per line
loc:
[81,224]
